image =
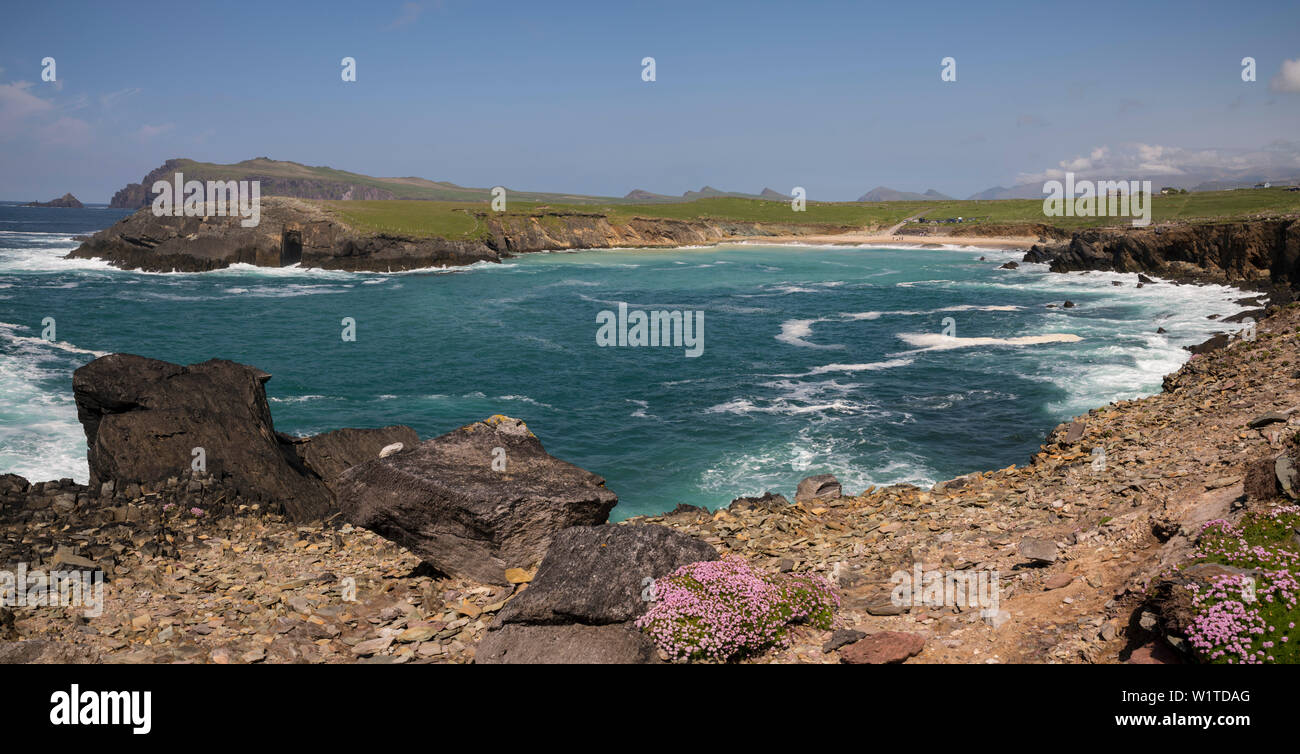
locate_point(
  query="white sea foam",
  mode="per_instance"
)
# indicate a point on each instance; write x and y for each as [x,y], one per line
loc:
[794,332]
[874,366]
[938,342]
[40,436]
[919,312]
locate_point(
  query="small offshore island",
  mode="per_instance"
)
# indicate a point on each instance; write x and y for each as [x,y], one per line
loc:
[370,545]
[67,201]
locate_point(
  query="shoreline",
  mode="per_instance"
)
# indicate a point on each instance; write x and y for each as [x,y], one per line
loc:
[1175,459]
[1104,525]
[997,243]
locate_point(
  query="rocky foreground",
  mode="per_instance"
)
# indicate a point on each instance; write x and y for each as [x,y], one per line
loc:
[198,573]
[369,545]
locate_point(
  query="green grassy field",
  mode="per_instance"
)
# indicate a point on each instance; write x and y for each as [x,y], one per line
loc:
[457,220]
[1207,206]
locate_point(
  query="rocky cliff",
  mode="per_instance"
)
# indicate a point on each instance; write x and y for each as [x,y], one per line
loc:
[291,231]
[515,234]
[1251,252]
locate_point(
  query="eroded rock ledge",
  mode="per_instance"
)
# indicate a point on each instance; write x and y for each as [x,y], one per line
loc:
[1256,252]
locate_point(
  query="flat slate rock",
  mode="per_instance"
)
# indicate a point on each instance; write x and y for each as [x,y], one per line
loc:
[475,501]
[884,648]
[599,574]
[819,487]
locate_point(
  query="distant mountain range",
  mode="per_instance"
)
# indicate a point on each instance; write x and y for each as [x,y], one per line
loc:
[708,192]
[885,194]
[283,178]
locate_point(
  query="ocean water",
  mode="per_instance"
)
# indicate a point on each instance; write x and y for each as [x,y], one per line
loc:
[877,365]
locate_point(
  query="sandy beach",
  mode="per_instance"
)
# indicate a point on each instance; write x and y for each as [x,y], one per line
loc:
[894,240]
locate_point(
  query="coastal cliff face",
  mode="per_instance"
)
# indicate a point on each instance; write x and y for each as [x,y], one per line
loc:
[524,233]
[1257,251]
[291,231]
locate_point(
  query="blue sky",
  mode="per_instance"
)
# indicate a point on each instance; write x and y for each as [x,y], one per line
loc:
[835,97]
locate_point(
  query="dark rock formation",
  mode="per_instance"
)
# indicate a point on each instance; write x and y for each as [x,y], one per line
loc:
[766,501]
[820,487]
[445,501]
[143,419]
[291,231]
[1214,343]
[288,232]
[593,583]
[1234,252]
[67,201]
[598,574]
[329,454]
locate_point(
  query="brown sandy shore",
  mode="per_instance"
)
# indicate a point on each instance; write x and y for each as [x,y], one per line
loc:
[256,588]
[894,240]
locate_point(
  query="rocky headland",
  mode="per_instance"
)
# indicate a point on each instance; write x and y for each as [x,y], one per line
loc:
[1263,253]
[293,231]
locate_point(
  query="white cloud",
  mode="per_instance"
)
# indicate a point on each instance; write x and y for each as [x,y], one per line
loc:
[107,101]
[1287,79]
[18,106]
[410,12]
[1136,161]
[25,115]
[148,131]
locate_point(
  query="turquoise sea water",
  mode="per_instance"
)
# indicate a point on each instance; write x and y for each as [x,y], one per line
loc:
[815,359]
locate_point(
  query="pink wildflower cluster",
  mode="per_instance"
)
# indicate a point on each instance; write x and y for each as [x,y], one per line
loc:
[1222,542]
[1232,620]
[720,610]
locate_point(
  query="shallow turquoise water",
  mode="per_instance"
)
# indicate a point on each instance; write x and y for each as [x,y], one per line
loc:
[814,360]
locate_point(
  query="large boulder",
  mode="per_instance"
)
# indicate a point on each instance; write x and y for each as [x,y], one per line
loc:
[601,574]
[594,582]
[143,419]
[820,487]
[329,454]
[475,501]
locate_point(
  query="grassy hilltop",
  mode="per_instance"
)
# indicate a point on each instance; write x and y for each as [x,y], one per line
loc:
[458,219]
[420,207]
